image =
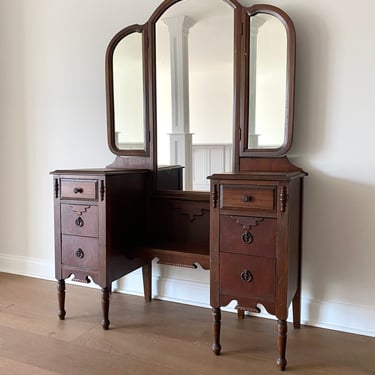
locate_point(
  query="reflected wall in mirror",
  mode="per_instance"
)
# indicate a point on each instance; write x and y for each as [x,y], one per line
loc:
[268,64]
[128,93]
[267,77]
[194,89]
[206,85]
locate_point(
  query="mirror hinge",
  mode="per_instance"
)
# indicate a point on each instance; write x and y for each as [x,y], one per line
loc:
[240,134]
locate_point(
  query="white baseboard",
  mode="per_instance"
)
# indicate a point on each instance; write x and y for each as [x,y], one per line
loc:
[27,266]
[338,316]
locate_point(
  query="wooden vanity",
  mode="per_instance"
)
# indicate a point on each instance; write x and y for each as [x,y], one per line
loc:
[246,227]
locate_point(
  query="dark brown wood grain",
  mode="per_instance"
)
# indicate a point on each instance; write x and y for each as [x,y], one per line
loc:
[265,270]
[247,230]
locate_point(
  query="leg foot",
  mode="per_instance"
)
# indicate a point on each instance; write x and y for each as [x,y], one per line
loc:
[297,309]
[105,307]
[61,299]
[282,330]
[216,323]
[147,280]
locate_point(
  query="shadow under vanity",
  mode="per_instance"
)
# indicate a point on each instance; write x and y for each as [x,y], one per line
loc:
[200,103]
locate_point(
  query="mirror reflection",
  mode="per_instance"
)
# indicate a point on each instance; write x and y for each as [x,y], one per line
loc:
[194,82]
[267,89]
[128,91]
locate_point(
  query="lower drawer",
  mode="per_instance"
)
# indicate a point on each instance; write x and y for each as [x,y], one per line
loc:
[248,235]
[247,276]
[80,251]
[80,220]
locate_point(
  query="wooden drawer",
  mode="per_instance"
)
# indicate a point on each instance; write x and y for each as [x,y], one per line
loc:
[247,276]
[80,251]
[259,198]
[80,220]
[248,235]
[79,189]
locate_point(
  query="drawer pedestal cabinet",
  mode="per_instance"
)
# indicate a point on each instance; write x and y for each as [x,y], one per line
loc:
[98,216]
[255,247]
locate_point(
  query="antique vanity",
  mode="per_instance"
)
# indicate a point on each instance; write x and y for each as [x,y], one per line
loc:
[200,103]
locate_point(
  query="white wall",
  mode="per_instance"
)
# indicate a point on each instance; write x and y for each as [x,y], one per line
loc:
[52,115]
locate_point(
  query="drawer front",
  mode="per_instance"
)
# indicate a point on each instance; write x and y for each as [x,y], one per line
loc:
[247,276]
[79,189]
[259,198]
[80,220]
[80,251]
[248,235]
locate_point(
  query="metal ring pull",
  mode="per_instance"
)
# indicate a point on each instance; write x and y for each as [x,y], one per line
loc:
[247,276]
[80,254]
[79,222]
[247,237]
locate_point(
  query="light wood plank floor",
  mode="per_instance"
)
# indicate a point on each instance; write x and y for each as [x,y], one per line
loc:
[159,338]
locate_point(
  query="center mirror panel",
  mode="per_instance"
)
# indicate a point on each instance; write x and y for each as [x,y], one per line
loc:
[194,42]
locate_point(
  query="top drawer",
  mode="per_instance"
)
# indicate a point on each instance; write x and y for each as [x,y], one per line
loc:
[260,198]
[79,189]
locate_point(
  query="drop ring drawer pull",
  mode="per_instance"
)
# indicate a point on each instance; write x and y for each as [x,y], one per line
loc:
[77,190]
[247,276]
[79,222]
[80,254]
[246,237]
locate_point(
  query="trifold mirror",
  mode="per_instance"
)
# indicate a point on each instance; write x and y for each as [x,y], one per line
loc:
[201,85]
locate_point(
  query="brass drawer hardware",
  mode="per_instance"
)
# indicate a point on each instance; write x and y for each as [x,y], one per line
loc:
[247,276]
[80,254]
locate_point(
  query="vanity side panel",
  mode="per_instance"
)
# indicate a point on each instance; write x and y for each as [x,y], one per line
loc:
[57,226]
[214,244]
[295,229]
[127,206]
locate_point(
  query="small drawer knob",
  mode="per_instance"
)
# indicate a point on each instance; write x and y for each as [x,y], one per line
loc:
[247,237]
[77,190]
[245,198]
[247,276]
[80,254]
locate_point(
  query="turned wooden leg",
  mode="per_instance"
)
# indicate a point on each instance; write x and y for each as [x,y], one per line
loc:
[147,280]
[282,330]
[105,307]
[61,299]
[216,323]
[297,309]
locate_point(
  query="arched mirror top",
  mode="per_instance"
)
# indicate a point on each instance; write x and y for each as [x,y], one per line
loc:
[126,75]
[261,87]
[268,62]
[208,5]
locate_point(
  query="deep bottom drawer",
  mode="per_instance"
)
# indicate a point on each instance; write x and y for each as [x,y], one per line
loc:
[80,251]
[247,276]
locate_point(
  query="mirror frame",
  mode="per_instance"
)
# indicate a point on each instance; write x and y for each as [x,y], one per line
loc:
[111,134]
[158,13]
[290,81]
[147,158]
